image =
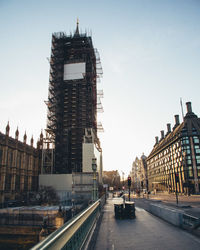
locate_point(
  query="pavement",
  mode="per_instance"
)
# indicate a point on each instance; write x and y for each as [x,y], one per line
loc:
[146,231]
[188,204]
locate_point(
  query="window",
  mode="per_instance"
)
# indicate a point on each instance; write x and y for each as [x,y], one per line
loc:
[198,171]
[197,150]
[188,151]
[190,171]
[8,182]
[19,160]
[194,132]
[185,140]
[195,139]
[1,153]
[184,131]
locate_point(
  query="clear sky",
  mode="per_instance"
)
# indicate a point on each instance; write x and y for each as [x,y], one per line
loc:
[150,54]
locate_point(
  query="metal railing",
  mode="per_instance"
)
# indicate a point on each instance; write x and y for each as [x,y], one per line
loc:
[74,233]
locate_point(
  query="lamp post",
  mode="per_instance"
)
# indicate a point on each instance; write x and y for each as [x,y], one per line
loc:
[94,169]
[176,181]
[122,180]
[186,183]
[129,187]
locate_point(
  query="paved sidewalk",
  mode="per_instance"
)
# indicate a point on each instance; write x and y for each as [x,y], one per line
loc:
[192,199]
[188,204]
[145,232]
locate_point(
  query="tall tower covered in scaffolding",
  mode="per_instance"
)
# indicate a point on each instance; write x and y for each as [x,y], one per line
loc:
[72,99]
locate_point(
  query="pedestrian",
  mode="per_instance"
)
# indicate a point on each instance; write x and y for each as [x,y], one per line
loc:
[124,198]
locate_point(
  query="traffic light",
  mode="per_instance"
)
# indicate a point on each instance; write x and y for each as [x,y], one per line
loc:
[176,177]
[129,181]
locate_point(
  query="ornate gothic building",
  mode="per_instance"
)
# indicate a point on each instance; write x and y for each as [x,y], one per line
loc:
[19,167]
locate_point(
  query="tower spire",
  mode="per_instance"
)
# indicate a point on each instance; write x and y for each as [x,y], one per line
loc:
[77,28]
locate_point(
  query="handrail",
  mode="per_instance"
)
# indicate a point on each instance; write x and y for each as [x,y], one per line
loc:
[62,235]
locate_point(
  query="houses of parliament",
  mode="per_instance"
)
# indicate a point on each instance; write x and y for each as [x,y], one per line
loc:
[20,164]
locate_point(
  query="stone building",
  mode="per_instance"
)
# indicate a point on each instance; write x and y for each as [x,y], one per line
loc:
[139,173]
[143,172]
[174,163]
[135,174]
[19,167]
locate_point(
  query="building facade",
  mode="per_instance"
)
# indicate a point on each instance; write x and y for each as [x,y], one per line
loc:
[135,174]
[19,167]
[143,173]
[139,173]
[72,99]
[174,163]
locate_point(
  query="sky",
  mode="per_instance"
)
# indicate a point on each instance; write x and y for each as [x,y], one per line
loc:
[149,51]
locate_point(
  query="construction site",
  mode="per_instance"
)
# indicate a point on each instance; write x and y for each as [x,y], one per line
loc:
[68,157]
[72,103]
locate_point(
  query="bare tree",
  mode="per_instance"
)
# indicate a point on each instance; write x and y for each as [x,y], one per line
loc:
[47,195]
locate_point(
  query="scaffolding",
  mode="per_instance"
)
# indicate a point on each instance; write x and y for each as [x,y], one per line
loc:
[48,149]
[99,104]
[72,103]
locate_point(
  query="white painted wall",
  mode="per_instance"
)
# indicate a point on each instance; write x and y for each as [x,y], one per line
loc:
[88,155]
[89,152]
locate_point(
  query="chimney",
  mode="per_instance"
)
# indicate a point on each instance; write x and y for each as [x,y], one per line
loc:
[177,120]
[189,107]
[156,139]
[189,113]
[162,134]
[168,127]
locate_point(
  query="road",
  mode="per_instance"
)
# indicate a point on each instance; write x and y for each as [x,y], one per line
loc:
[192,200]
[146,232]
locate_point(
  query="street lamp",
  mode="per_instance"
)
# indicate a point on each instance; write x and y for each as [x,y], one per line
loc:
[94,169]
[186,182]
[176,182]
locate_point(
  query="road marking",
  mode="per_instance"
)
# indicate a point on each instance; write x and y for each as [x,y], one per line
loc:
[113,247]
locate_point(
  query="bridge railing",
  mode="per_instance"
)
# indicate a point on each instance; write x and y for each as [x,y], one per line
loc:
[73,234]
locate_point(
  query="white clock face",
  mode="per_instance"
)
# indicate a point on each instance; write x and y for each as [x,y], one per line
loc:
[73,71]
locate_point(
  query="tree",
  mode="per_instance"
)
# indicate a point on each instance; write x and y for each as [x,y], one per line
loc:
[112,178]
[47,195]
